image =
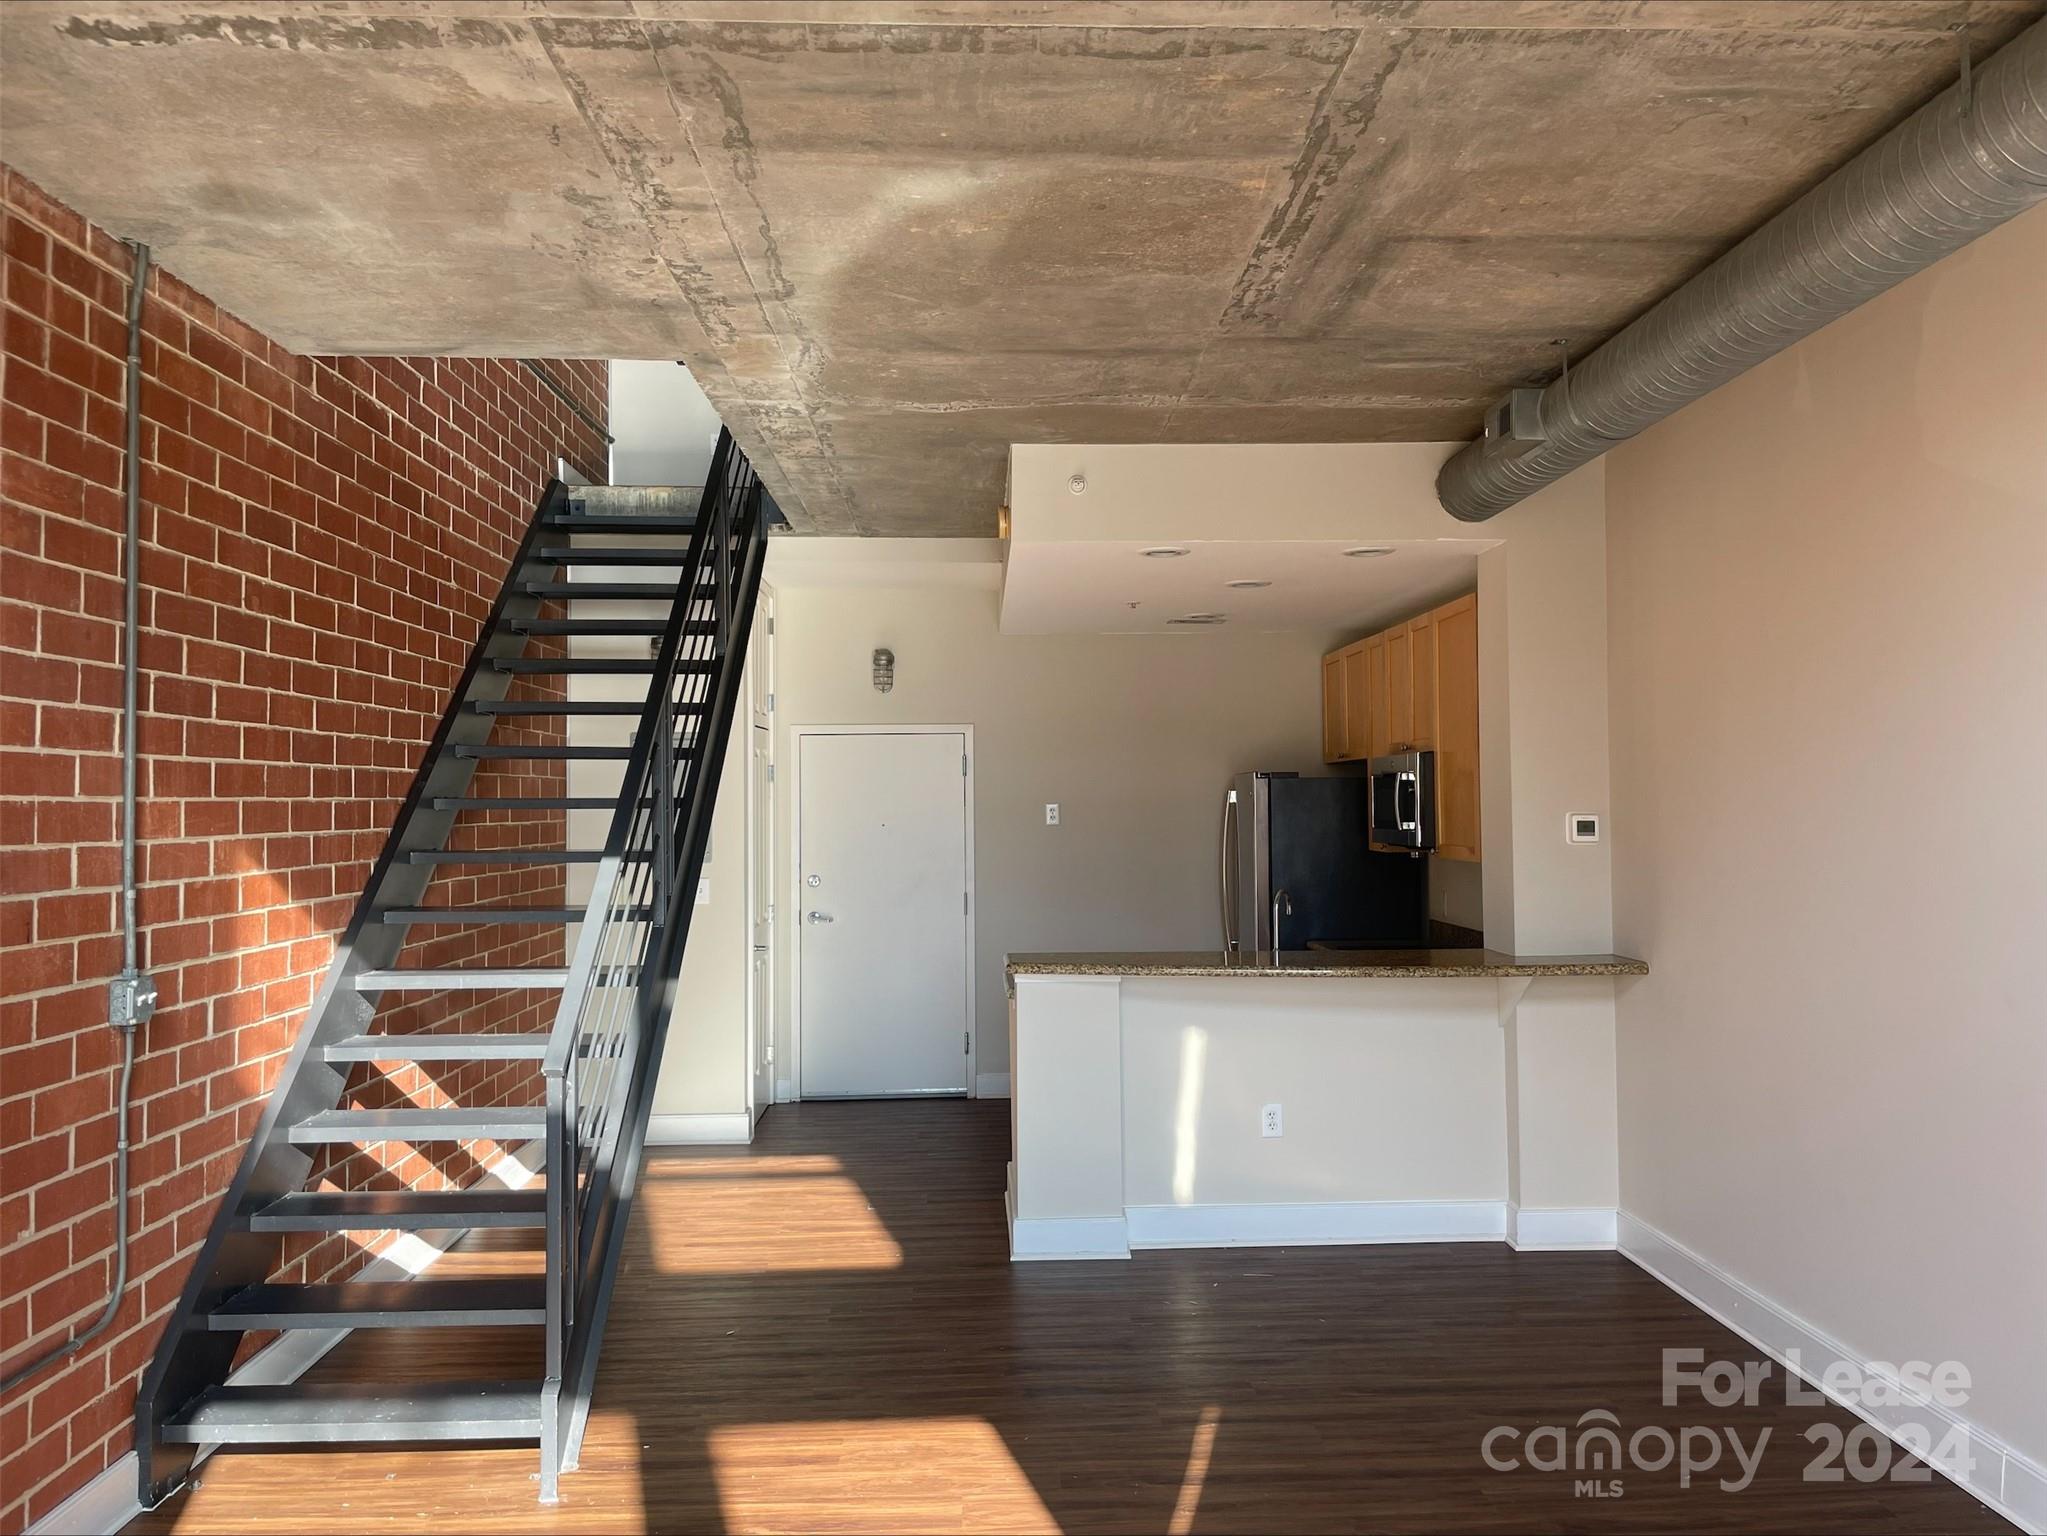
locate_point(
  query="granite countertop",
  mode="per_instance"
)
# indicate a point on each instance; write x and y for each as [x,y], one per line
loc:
[1397,964]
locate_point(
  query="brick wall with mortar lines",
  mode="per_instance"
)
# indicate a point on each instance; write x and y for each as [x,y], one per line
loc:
[322,540]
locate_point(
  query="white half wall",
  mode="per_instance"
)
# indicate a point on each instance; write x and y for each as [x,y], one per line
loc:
[1390,1091]
[1828,632]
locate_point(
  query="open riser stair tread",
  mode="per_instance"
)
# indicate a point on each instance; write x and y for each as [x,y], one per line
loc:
[625,591]
[514,856]
[430,1046]
[330,1127]
[517,752]
[496,1302]
[631,708]
[625,522]
[401,1210]
[523,803]
[312,1412]
[447,917]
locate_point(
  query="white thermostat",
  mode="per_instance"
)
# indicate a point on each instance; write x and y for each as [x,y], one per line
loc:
[1581,827]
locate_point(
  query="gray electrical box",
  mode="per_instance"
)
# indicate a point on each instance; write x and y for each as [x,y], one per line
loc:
[1514,425]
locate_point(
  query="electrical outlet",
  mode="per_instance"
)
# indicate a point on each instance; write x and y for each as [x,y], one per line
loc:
[1051,815]
[1269,1122]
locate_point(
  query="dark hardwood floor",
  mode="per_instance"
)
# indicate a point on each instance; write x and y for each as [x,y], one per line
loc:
[823,1332]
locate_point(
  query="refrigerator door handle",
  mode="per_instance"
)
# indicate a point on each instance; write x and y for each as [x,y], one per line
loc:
[1223,878]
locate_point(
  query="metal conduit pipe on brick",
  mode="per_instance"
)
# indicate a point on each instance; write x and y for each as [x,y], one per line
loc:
[1971,159]
[131,997]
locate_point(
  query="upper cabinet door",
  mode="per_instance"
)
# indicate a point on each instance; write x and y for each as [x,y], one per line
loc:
[1421,636]
[1399,688]
[1457,801]
[1335,728]
[1378,730]
[1357,703]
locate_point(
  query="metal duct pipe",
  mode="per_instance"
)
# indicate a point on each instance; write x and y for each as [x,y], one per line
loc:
[1973,157]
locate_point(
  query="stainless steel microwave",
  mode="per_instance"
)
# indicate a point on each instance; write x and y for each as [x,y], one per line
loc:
[1404,802]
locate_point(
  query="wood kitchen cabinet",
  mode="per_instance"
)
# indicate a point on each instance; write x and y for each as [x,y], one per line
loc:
[1421,641]
[1378,729]
[1456,648]
[1357,705]
[1335,723]
[1414,684]
[1400,689]
[1346,706]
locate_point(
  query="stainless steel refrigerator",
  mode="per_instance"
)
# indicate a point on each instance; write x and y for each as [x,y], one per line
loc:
[1297,850]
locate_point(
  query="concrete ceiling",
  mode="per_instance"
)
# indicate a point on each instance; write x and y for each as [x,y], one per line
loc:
[892,238]
[1115,588]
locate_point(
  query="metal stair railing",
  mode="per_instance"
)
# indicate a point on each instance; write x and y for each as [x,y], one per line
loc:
[604,1050]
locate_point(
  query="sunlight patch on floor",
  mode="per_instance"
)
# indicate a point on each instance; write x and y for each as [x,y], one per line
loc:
[1198,1455]
[935,1474]
[665,1166]
[781,1223]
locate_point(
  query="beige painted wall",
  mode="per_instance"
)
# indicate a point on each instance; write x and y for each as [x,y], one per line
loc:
[1828,632]
[1134,736]
[1390,1091]
[703,1069]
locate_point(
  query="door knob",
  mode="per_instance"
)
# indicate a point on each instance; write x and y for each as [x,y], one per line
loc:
[818,917]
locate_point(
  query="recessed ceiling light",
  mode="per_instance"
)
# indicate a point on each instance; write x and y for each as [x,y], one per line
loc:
[1165,552]
[1201,618]
[1368,551]
[1249,584]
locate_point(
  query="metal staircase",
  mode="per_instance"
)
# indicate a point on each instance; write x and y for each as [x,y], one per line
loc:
[598,1062]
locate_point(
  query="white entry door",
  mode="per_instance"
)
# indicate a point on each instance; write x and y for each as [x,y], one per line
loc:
[881,913]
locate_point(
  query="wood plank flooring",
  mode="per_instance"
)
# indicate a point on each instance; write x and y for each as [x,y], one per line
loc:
[823,1332]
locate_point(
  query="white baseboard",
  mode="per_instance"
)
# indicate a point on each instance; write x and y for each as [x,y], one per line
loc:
[2007,1480]
[700,1130]
[102,1506]
[109,1501]
[991,1085]
[1094,1237]
[1561,1229]
[1350,1221]
[1068,1237]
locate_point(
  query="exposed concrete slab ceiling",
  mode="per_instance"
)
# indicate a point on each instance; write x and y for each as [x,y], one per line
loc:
[891,239]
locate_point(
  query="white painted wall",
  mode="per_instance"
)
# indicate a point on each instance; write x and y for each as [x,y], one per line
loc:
[1390,1090]
[663,428]
[704,1067]
[1828,633]
[1134,736]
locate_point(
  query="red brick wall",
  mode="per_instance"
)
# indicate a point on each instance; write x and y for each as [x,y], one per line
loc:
[323,538]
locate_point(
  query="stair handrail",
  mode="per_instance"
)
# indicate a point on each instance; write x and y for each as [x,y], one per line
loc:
[638,908]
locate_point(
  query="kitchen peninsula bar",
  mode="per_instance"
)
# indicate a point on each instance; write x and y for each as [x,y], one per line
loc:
[1205,1099]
